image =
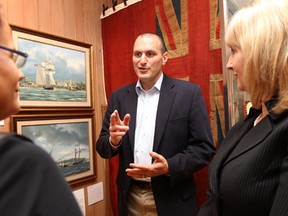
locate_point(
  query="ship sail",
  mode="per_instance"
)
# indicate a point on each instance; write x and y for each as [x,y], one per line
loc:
[45,74]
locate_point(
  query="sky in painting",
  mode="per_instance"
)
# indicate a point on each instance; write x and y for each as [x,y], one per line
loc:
[60,140]
[69,64]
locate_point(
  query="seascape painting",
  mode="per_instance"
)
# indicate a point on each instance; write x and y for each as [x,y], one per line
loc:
[68,142]
[56,73]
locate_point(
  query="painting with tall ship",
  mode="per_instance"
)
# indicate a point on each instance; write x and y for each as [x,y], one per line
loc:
[57,72]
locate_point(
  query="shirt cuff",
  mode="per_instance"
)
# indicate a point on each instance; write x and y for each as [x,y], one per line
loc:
[115,147]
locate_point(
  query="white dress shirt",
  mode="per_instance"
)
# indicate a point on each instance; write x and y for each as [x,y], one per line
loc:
[145,121]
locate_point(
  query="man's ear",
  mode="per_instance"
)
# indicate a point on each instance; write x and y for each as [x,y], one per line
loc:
[165,58]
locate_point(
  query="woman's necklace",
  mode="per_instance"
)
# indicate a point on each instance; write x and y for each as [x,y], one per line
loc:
[256,121]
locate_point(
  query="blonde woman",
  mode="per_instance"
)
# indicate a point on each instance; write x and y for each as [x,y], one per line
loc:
[249,174]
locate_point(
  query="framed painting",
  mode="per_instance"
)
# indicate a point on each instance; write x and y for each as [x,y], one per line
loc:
[68,140]
[58,71]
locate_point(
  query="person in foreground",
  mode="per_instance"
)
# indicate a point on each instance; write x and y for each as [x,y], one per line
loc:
[159,128]
[249,174]
[30,182]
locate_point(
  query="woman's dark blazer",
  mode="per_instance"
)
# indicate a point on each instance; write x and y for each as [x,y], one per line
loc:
[182,136]
[249,174]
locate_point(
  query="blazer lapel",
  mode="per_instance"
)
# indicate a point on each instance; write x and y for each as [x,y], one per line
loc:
[166,100]
[253,138]
[131,107]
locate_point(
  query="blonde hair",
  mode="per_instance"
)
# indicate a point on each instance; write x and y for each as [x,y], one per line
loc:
[260,31]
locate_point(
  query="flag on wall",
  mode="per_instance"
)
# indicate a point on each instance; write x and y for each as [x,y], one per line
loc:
[190,30]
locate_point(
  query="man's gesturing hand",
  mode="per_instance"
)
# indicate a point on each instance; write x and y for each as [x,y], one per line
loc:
[158,167]
[118,128]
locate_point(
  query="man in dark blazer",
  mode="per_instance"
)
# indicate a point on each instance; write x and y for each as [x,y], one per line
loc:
[159,127]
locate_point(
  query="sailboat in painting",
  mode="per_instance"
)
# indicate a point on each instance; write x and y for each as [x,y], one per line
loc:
[45,74]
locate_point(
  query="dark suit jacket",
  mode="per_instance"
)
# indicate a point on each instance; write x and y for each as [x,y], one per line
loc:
[249,174]
[182,136]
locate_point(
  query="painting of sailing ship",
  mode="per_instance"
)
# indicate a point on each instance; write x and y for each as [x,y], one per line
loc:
[69,143]
[56,73]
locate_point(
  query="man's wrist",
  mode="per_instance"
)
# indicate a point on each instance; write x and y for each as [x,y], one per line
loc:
[115,147]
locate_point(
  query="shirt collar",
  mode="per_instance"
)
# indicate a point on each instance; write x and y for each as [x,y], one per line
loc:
[157,85]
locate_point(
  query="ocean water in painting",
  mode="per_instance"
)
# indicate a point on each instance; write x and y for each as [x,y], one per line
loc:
[75,168]
[41,94]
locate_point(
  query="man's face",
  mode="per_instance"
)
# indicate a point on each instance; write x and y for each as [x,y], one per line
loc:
[148,60]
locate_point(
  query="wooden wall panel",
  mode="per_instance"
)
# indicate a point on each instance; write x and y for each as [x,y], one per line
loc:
[44,18]
[79,20]
[14,15]
[69,18]
[91,18]
[57,17]
[30,14]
